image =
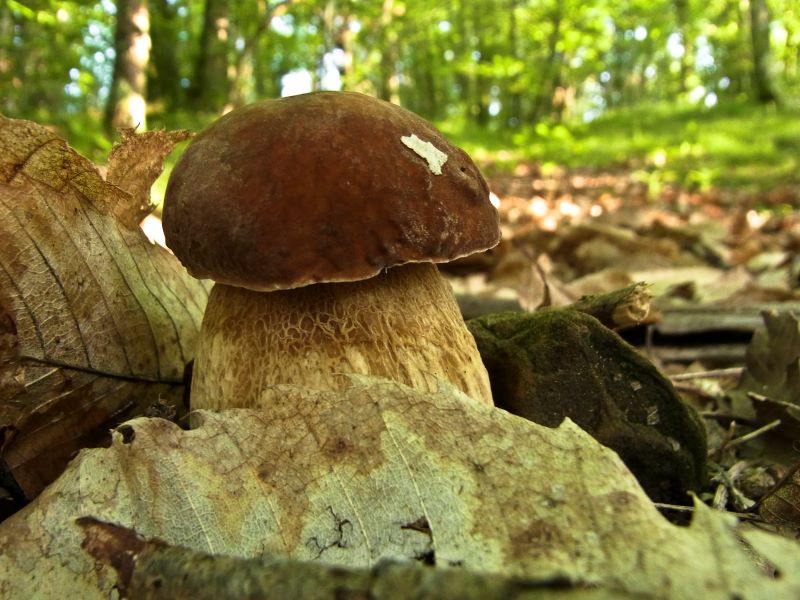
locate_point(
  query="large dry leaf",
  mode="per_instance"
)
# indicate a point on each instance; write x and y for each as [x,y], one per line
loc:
[95,321]
[771,378]
[382,471]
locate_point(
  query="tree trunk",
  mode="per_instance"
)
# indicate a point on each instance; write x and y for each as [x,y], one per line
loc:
[479,106]
[8,65]
[126,105]
[210,86]
[551,68]
[514,108]
[763,90]
[388,82]
[164,77]
[684,23]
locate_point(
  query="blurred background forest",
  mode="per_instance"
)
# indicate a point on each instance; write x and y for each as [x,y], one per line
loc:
[702,92]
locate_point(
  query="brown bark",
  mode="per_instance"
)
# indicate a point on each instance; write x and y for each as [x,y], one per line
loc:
[551,68]
[684,20]
[763,90]
[210,85]
[126,105]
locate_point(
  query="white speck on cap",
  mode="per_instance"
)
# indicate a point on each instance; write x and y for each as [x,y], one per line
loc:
[435,157]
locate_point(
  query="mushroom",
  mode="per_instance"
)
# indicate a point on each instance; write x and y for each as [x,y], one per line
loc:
[319,218]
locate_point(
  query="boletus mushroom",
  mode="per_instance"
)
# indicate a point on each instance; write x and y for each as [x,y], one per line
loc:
[320,218]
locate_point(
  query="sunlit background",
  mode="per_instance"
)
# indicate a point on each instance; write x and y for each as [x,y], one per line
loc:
[698,93]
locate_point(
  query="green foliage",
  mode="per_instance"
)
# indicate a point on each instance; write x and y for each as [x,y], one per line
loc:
[734,144]
[516,76]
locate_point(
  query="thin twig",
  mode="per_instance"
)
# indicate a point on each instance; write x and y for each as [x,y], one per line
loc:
[690,388]
[760,398]
[753,434]
[681,508]
[718,416]
[715,374]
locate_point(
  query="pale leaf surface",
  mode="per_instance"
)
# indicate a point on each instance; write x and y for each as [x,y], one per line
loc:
[382,471]
[94,319]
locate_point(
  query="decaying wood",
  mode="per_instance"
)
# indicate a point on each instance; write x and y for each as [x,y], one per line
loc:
[150,569]
[711,354]
[620,309]
[699,319]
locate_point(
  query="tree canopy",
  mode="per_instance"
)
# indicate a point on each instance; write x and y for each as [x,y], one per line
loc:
[500,63]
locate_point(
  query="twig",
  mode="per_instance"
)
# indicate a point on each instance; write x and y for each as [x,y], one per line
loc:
[760,398]
[753,434]
[694,390]
[681,508]
[715,374]
[718,416]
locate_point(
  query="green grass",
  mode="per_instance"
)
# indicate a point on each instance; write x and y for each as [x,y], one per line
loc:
[731,145]
[735,145]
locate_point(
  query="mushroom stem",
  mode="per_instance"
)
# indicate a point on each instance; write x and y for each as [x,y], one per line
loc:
[403,324]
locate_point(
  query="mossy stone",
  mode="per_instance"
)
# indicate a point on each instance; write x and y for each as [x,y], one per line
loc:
[558,363]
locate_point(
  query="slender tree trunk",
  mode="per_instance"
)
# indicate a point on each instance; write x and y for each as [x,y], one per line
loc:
[464,79]
[126,105]
[8,65]
[551,68]
[479,103]
[164,77]
[514,110]
[210,85]
[389,82]
[430,98]
[763,90]
[682,12]
[259,47]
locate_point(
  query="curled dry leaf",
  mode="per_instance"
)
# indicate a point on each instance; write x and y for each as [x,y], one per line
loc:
[381,471]
[96,323]
[782,506]
[770,384]
[135,164]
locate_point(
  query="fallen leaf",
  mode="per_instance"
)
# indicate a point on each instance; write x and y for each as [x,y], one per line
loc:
[96,323]
[135,164]
[383,472]
[708,284]
[770,384]
[782,505]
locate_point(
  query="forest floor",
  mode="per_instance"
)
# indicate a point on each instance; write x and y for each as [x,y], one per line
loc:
[703,206]
[720,262]
[734,145]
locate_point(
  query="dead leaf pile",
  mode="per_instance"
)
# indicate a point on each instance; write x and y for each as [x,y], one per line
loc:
[595,232]
[96,323]
[382,471]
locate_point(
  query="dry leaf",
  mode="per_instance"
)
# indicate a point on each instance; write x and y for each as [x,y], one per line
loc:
[782,505]
[382,471]
[135,164]
[771,379]
[707,284]
[95,321]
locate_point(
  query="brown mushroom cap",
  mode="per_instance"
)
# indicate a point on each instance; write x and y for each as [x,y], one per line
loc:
[321,188]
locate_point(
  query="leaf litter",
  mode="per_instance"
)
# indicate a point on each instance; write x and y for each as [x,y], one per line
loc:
[567,235]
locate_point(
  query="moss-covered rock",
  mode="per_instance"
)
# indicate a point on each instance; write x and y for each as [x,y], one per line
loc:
[558,363]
